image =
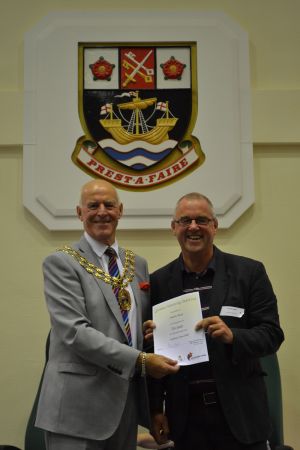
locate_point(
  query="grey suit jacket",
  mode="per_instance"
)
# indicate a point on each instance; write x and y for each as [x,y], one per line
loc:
[90,363]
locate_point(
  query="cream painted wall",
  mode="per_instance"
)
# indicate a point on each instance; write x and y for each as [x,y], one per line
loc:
[267,231]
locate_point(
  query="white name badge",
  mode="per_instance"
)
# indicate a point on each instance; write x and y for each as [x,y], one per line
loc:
[232,311]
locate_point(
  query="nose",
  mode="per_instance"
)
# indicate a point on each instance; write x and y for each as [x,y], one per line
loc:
[193,224]
[101,209]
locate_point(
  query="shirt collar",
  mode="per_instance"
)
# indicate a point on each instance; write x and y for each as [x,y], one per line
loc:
[98,247]
[211,266]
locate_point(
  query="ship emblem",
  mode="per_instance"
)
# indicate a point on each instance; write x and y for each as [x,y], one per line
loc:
[151,142]
[137,106]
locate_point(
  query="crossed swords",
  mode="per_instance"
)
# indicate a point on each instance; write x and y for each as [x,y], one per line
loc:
[136,69]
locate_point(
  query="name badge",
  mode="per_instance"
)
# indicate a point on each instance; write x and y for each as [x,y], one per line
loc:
[232,311]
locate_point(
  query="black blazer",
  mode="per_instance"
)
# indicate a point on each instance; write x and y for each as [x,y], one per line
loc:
[240,282]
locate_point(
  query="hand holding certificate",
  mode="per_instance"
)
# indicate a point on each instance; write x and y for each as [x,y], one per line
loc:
[175,335]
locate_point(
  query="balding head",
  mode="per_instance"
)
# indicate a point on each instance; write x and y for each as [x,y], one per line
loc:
[100,210]
[94,186]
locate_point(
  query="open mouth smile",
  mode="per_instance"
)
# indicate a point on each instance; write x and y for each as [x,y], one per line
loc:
[194,237]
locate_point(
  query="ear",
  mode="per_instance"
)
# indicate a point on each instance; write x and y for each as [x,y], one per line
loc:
[216,224]
[173,226]
[79,213]
[120,210]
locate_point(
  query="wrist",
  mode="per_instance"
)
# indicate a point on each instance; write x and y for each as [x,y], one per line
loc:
[141,363]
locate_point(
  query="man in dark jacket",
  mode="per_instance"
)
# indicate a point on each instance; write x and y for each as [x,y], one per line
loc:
[220,404]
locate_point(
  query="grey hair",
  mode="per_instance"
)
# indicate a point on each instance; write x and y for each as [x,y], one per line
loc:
[196,196]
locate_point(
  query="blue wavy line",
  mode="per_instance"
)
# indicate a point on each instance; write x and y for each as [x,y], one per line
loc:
[139,167]
[136,152]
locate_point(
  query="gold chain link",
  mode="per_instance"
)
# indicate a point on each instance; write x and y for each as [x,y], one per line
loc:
[120,282]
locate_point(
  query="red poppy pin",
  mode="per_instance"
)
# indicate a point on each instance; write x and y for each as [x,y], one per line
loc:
[144,285]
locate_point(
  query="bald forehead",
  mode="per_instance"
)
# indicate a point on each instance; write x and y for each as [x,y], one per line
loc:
[98,187]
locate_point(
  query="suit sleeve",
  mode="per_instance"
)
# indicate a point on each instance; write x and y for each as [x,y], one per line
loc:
[262,335]
[156,387]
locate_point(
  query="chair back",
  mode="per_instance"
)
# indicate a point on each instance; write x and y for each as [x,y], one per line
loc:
[273,383]
[34,437]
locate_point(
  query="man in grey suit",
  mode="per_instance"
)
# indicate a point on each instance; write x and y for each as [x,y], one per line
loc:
[93,389]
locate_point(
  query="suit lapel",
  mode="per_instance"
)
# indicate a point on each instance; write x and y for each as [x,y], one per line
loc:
[220,285]
[175,282]
[86,251]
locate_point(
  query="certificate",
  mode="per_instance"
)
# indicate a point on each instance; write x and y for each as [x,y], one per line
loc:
[175,335]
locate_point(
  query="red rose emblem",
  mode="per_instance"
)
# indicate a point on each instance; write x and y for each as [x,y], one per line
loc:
[144,285]
[102,69]
[172,69]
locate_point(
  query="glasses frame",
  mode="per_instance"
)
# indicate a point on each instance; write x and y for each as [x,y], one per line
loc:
[189,221]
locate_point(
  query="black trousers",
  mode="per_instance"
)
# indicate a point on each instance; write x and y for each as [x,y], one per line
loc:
[207,428]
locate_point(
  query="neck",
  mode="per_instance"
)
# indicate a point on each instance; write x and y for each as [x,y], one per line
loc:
[196,262]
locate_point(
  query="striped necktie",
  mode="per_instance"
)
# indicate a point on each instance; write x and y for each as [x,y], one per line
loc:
[114,272]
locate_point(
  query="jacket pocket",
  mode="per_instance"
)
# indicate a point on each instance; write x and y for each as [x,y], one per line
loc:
[80,369]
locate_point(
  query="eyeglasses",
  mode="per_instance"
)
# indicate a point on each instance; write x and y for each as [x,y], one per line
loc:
[187,221]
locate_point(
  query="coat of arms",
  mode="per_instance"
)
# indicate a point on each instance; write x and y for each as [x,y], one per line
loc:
[138,107]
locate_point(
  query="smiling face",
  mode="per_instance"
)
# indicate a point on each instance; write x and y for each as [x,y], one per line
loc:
[100,211]
[195,240]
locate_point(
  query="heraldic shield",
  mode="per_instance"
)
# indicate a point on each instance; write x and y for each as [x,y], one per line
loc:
[138,106]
